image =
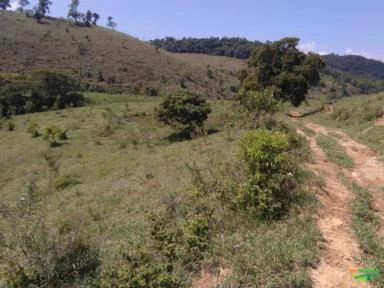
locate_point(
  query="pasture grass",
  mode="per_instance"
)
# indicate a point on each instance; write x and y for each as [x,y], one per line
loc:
[118,167]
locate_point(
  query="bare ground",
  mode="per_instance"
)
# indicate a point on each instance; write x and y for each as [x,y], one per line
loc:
[368,171]
[334,220]
[209,280]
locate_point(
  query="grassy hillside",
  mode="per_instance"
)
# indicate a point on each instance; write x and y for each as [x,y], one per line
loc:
[119,167]
[102,57]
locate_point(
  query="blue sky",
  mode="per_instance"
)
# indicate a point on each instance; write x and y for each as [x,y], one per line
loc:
[338,26]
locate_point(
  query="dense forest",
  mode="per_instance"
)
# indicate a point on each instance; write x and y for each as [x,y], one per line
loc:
[357,65]
[231,47]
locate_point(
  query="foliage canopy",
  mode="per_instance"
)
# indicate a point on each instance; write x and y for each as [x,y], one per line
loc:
[283,68]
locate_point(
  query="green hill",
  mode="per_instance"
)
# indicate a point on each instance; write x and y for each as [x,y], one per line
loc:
[103,57]
[356,65]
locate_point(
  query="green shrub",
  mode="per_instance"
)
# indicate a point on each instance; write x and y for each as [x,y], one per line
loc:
[11,126]
[151,91]
[259,102]
[270,183]
[50,260]
[265,151]
[258,107]
[371,113]
[37,255]
[185,111]
[342,114]
[33,130]
[183,240]
[139,270]
[65,181]
[53,135]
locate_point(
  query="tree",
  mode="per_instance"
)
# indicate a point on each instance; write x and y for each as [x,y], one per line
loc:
[283,68]
[73,13]
[95,18]
[88,18]
[4,4]
[22,4]
[110,22]
[185,111]
[42,8]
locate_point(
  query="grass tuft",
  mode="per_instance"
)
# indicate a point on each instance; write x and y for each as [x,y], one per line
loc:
[334,151]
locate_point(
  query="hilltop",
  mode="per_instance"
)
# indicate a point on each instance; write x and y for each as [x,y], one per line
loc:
[105,58]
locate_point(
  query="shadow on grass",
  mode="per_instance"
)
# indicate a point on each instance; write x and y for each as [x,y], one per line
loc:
[211,131]
[178,137]
[181,136]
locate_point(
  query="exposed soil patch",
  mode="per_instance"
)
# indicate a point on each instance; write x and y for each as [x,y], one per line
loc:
[379,122]
[334,220]
[209,280]
[368,171]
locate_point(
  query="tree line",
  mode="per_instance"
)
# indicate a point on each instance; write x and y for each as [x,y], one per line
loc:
[42,8]
[40,89]
[231,47]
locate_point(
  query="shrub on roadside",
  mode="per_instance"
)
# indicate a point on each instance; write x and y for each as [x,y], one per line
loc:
[270,179]
[258,108]
[138,270]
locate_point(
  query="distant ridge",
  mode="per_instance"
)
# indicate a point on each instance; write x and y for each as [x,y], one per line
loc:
[356,65]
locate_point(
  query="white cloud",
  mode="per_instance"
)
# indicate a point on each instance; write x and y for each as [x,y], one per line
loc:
[307,47]
[14,5]
[349,51]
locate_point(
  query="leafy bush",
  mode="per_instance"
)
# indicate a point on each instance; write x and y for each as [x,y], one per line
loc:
[258,108]
[185,111]
[367,112]
[53,135]
[37,255]
[65,181]
[185,240]
[270,181]
[371,112]
[11,126]
[151,91]
[139,270]
[342,114]
[259,102]
[33,130]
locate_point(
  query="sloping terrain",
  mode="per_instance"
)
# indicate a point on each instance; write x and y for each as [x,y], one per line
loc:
[345,249]
[102,56]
